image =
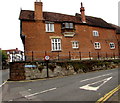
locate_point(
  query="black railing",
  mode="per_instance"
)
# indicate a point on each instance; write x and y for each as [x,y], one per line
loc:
[39,55]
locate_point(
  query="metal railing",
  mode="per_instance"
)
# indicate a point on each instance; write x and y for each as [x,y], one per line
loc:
[39,55]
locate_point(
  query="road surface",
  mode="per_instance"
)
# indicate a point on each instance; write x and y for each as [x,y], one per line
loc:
[81,87]
[4,76]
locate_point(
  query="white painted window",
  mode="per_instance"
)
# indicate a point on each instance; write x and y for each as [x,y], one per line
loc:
[112,45]
[71,25]
[97,45]
[49,27]
[67,25]
[75,44]
[95,33]
[56,44]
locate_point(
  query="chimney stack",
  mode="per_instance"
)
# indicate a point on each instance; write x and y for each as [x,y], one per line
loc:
[82,10]
[38,13]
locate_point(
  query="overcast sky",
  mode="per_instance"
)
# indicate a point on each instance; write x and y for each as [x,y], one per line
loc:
[10,10]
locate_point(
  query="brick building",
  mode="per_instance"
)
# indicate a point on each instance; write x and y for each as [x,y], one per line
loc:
[66,36]
[118,36]
[14,55]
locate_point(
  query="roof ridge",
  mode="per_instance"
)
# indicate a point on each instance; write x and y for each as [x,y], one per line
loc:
[60,17]
[58,13]
[28,10]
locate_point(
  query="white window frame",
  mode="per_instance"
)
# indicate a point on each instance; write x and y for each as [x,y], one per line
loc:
[97,45]
[56,44]
[71,25]
[113,45]
[95,33]
[75,44]
[49,27]
[68,25]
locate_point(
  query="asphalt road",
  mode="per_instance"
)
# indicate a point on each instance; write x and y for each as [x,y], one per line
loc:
[4,76]
[81,87]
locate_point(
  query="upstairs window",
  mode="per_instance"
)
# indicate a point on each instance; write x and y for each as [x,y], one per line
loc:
[97,45]
[67,25]
[75,44]
[56,44]
[95,33]
[49,27]
[112,46]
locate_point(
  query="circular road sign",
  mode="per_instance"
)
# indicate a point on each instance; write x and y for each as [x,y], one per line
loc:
[47,57]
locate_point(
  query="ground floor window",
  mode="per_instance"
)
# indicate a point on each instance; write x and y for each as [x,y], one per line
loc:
[75,44]
[97,45]
[56,44]
[112,46]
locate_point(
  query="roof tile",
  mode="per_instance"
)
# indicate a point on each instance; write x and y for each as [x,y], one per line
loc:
[57,17]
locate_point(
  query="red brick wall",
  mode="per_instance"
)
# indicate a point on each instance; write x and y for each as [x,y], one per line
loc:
[118,38]
[37,39]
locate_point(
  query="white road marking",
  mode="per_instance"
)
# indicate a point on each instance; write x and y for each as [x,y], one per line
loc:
[95,77]
[29,89]
[3,83]
[40,92]
[10,100]
[88,87]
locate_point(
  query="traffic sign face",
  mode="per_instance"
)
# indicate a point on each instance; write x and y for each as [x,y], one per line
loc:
[47,57]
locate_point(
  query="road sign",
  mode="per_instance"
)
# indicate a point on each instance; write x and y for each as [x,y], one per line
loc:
[47,57]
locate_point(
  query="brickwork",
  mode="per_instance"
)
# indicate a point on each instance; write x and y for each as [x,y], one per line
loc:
[17,71]
[37,39]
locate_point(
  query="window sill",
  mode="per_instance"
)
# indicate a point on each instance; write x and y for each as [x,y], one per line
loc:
[112,48]
[69,34]
[49,31]
[75,48]
[56,50]
[97,48]
[68,28]
[95,36]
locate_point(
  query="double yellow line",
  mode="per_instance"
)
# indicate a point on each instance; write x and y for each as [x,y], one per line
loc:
[108,95]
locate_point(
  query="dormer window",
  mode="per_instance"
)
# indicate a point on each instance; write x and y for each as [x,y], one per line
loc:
[67,25]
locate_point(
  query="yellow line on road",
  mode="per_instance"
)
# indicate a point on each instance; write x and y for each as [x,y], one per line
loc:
[108,95]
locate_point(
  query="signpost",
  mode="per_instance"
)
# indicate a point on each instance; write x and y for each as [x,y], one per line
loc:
[46,58]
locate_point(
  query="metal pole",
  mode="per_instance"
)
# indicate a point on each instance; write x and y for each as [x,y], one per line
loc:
[114,55]
[45,53]
[98,56]
[106,55]
[69,56]
[58,55]
[47,61]
[32,56]
[80,55]
[89,56]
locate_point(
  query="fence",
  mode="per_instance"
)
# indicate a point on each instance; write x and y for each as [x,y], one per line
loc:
[39,55]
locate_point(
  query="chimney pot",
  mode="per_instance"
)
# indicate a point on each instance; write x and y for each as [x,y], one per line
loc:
[82,10]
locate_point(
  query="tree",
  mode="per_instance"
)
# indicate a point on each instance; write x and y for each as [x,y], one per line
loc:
[3,55]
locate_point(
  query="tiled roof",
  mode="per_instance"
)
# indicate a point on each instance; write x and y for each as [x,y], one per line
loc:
[57,17]
[12,50]
[26,15]
[117,28]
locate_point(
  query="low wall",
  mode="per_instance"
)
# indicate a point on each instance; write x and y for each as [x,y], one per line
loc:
[37,70]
